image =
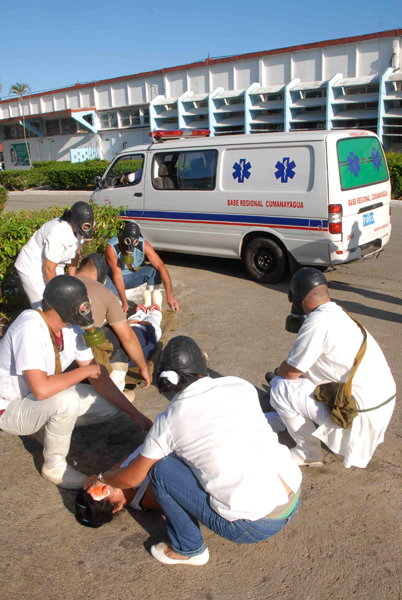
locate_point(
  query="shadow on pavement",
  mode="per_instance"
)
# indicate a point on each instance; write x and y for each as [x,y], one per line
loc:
[346,287]
[375,313]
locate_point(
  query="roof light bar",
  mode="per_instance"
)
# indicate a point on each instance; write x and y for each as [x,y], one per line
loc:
[159,134]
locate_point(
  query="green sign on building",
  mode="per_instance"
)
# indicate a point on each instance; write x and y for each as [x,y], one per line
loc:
[19,155]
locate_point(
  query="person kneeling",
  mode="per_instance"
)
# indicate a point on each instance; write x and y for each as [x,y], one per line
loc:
[230,474]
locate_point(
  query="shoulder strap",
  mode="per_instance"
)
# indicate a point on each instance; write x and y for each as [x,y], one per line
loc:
[359,355]
[58,368]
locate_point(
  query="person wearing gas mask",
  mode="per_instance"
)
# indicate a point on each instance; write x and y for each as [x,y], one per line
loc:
[54,245]
[335,377]
[211,457]
[37,392]
[125,255]
[107,308]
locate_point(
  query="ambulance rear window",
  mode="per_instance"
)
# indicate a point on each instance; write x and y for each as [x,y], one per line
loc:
[361,162]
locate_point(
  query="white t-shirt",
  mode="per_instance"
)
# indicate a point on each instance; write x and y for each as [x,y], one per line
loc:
[141,489]
[27,345]
[217,427]
[324,351]
[55,241]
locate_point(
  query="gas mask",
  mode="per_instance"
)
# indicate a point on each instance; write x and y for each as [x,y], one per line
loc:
[182,355]
[82,221]
[100,264]
[131,237]
[303,281]
[68,297]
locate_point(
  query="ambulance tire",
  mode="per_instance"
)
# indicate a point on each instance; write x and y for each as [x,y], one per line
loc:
[265,260]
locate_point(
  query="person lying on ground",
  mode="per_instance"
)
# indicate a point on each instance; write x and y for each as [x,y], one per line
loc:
[228,470]
[37,392]
[99,506]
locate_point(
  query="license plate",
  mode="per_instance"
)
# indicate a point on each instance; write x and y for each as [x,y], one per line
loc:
[368,219]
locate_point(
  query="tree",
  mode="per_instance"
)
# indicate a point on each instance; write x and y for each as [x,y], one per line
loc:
[19,89]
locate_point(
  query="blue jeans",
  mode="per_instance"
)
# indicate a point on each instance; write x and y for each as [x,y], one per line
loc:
[132,279]
[185,502]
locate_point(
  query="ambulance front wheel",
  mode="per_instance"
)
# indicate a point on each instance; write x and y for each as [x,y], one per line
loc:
[265,260]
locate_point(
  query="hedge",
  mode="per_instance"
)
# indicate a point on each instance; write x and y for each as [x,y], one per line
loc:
[395,170]
[56,174]
[3,198]
[15,230]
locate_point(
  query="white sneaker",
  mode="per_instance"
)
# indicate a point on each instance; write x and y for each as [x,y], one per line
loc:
[300,458]
[65,477]
[158,552]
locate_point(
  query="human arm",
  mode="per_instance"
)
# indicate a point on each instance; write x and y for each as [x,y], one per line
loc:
[125,478]
[159,265]
[287,371]
[44,386]
[72,267]
[108,390]
[49,270]
[117,275]
[133,348]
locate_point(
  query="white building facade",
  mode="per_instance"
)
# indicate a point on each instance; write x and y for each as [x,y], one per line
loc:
[350,82]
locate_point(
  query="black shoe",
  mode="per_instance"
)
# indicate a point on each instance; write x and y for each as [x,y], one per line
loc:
[269,377]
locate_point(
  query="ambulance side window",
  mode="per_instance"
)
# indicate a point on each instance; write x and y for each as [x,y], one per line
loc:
[197,170]
[188,170]
[127,170]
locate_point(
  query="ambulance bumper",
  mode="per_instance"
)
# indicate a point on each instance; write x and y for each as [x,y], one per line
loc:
[339,255]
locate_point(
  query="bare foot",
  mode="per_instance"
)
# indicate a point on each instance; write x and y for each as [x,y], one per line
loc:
[170,553]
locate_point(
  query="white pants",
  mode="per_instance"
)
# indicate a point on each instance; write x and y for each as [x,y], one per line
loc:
[152,316]
[79,405]
[292,397]
[33,289]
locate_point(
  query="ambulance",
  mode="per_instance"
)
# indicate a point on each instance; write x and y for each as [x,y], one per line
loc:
[318,198]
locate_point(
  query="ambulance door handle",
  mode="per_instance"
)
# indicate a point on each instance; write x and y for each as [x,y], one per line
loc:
[138,194]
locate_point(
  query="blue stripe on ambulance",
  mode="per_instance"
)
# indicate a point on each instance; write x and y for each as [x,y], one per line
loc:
[291,222]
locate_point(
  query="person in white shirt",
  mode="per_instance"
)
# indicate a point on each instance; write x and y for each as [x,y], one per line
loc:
[130,178]
[325,351]
[212,458]
[54,245]
[35,389]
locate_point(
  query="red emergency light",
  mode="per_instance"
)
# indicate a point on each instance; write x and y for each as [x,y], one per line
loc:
[158,134]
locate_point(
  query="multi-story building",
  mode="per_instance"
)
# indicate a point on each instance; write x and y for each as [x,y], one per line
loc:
[351,82]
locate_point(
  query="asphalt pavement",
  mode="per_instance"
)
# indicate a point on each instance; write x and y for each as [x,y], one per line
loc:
[344,541]
[37,199]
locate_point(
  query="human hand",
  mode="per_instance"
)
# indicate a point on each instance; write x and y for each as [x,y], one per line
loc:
[99,373]
[174,305]
[143,422]
[91,483]
[146,375]
[124,306]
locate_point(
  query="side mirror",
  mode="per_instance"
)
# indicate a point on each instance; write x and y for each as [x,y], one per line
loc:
[98,181]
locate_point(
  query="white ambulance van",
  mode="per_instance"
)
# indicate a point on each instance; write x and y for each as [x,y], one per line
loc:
[319,198]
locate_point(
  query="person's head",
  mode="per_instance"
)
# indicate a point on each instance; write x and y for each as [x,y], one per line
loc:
[182,362]
[95,513]
[94,265]
[81,218]
[68,297]
[308,290]
[130,235]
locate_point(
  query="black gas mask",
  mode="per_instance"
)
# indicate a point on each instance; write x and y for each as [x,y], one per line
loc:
[182,355]
[303,281]
[68,297]
[82,221]
[131,237]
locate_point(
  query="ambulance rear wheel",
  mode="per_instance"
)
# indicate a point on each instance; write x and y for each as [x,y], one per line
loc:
[265,260]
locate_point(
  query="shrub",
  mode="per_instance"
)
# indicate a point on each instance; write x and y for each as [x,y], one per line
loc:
[16,228]
[21,180]
[395,170]
[56,174]
[3,198]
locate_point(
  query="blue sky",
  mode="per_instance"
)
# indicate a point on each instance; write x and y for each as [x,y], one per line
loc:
[50,44]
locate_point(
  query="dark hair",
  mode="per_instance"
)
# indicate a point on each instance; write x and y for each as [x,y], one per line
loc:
[90,512]
[87,262]
[165,386]
[66,216]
